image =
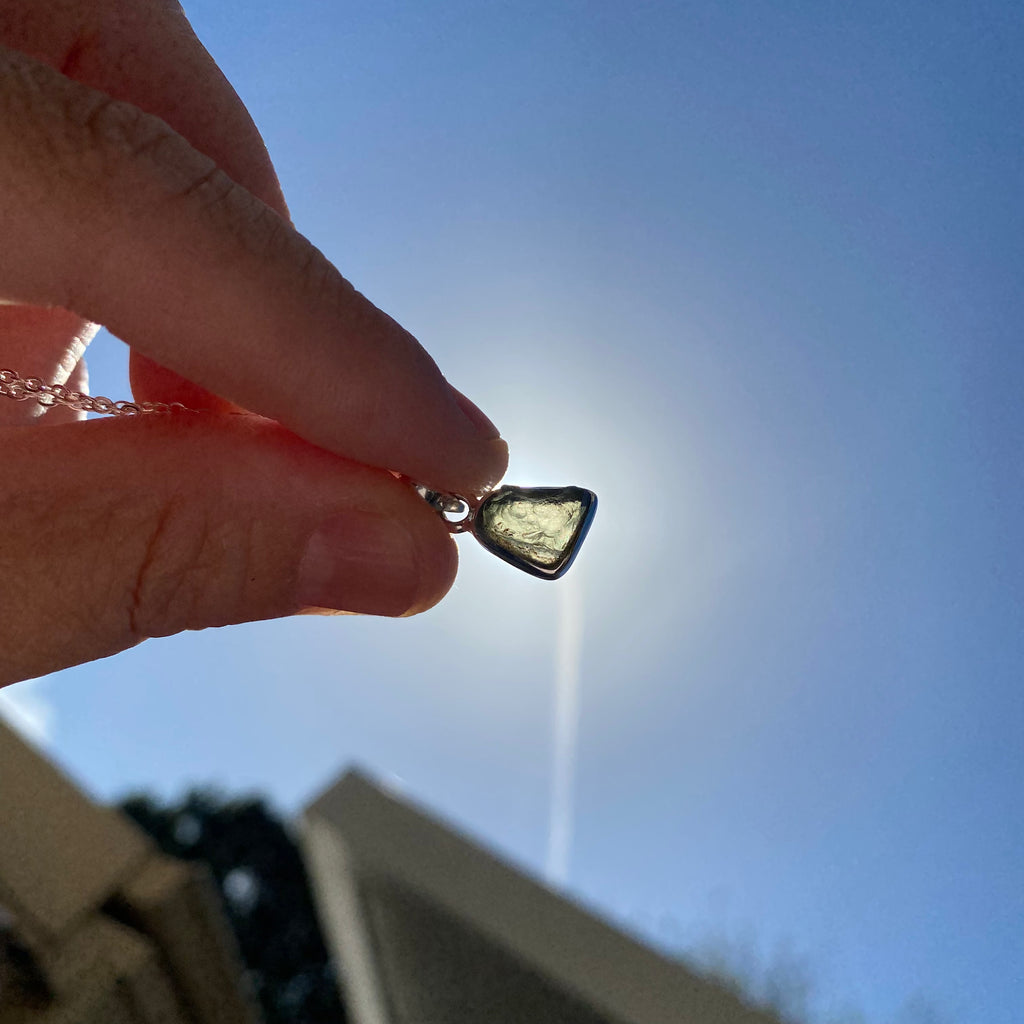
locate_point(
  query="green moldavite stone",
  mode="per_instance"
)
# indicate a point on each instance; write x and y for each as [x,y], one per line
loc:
[537,529]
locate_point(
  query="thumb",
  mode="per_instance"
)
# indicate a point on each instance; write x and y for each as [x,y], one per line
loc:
[119,530]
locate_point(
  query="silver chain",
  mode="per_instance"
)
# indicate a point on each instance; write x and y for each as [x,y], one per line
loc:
[32,389]
[456,512]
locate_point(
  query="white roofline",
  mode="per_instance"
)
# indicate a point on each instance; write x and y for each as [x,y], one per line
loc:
[561,941]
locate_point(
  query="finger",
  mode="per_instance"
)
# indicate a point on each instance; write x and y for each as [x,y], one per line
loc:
[94,194]
[147,54]
[44,343]
[55,414]
[119,530]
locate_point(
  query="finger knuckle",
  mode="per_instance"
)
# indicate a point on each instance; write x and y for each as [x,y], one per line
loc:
[210,188]
[192,573]
[77,131]
[123,152]
[129,145]
[117,130]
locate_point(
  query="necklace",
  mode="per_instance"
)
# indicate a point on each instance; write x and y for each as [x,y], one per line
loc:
[536,529]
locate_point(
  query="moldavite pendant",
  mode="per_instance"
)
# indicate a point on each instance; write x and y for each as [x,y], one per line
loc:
[536,529]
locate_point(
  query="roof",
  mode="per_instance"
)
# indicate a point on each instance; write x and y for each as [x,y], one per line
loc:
[96,925]
[429,927]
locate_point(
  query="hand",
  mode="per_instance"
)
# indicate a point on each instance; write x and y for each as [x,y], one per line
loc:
[135,192]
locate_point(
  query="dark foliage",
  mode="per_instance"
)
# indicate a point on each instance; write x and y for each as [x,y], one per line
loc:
[266,895]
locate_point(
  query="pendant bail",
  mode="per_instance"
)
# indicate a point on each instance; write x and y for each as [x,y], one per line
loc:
[455,511]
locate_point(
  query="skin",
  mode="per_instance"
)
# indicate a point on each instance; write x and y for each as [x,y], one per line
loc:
[135,192]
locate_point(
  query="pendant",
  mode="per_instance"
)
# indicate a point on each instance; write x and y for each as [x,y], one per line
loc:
[536,529]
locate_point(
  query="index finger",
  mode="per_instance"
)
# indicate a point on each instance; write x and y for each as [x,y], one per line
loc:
[197,273]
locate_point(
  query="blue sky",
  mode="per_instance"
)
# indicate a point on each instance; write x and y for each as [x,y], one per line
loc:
[752,272]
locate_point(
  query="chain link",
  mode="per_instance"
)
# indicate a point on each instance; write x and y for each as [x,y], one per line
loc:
[32,389]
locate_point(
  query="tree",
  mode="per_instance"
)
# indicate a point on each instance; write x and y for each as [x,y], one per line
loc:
[260,873]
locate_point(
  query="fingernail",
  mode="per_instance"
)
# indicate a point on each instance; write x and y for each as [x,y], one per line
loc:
[359,562]
[484,427]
